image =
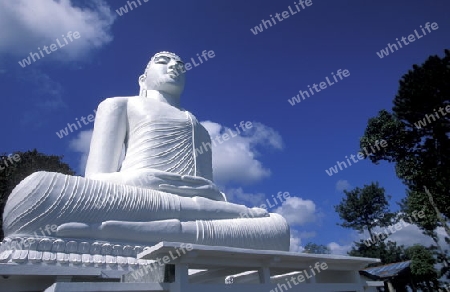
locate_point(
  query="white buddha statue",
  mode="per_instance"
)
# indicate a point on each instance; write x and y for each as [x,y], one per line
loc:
[144,182]
[159,136]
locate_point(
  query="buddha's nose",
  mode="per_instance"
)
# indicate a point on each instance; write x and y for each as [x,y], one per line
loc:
[172,65]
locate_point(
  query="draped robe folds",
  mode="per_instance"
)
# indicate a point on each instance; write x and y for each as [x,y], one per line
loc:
[168,144]
[132,214]
[85,208]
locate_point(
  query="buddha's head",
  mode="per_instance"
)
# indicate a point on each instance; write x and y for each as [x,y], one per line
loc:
[163,73]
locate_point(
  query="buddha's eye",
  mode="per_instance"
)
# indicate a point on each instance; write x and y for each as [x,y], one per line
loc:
[162,60]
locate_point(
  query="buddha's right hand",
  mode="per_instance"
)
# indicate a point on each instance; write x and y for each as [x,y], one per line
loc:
[193,186]
[188,186]
[182,185]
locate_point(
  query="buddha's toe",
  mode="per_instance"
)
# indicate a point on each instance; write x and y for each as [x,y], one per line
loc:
[75,229]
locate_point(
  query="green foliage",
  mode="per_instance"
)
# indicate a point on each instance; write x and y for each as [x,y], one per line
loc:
[316,248]
[417,132]
[423,272]
[30,162]
[421,152]
[416,201]
[387,252]
[418,142]
[385,127]
[365,208]
[422,261]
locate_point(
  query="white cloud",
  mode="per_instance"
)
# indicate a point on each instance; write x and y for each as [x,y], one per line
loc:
[342,185]
[297,239]
[265,135]
[407,235]
[240,197]
[336,248]
[308,234]
[295,244]
[28,25]
[81,144]
[236,160]
[297,211]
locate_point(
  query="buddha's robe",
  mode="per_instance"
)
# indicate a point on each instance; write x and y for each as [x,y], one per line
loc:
[128,208]
[90,209]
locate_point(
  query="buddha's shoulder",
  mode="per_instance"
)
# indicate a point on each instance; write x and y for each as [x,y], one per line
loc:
[117,101]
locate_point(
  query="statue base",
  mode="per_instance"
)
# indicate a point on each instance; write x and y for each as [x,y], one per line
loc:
[176,267]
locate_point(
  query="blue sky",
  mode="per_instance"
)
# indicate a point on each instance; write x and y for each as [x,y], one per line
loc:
[250,78]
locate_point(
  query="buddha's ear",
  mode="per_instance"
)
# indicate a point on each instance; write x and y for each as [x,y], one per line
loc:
[142,86]
[142,80]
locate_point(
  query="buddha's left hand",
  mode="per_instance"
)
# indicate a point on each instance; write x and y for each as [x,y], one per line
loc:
[195,186]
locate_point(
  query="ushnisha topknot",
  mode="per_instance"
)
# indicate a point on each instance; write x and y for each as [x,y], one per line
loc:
[165,53]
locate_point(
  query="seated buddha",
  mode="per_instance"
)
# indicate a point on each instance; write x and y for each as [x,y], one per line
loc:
[144,182]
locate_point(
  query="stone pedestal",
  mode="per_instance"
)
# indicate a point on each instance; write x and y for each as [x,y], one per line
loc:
[176,267]
[29,264]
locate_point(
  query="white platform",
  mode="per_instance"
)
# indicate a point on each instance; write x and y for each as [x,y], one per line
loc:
[204,268]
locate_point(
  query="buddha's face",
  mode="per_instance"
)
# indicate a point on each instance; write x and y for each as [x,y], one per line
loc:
[164,74]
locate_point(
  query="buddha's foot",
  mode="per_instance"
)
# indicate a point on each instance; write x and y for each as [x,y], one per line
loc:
[148,232]
[271,232]
[85,208]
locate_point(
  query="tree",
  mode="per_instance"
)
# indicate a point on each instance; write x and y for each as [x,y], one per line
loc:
[12,172]
[417,132]
[424,275]
[365,208]
[316,249]
[387,252]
